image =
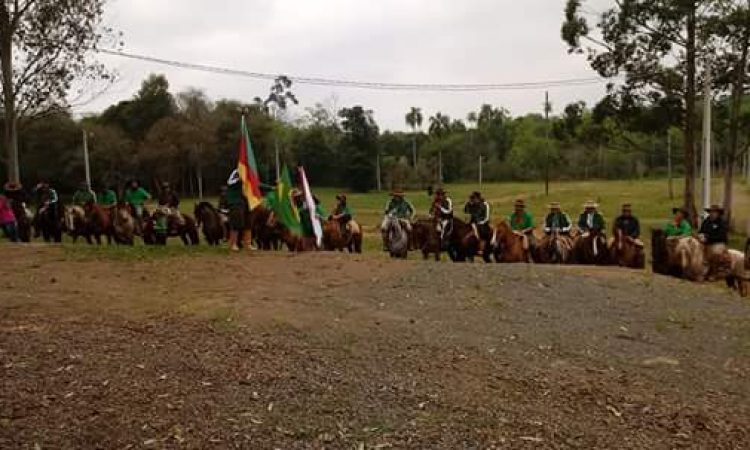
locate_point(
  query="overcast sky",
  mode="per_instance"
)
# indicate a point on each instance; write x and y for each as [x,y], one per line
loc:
[400,41]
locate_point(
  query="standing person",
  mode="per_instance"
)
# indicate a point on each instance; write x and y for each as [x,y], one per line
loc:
[591,221]
[557,220]
[83,196]
[478,211]
[237,213]
[522,223]
[136,197]
[679,225]
[8,219]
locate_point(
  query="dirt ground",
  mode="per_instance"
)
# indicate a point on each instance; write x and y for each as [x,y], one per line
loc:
[332,351]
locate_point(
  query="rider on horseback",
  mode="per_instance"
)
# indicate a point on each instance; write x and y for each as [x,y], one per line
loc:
[714,234]
[442,210]
[556,220]
[136,197]
[107,197]
[48,201]
[479,217]
[401,209]
[628,225]
[679,225]
[342,214]
[169,202]
[591,221]
[522,223]
[83,196]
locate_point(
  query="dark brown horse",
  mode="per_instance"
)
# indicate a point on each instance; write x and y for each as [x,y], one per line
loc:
[265,229]
[334,238]
[123,224]
[461,242]
[626,252]
[98,223]
[49,222]
[153,234]
[23,220]
[426,238]
[591,249]
[209,219]
[508,246]
[555,248]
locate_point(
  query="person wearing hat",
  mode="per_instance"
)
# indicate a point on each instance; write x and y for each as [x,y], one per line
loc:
[714,233]
[237,209]
[442,210]
[628,225]
[136,197]
[556,220]
[48,201]
[399,207]
[83,196]
[478,211]
[169,202]
[591,221]
[679,225]
[342,214]
[522,223]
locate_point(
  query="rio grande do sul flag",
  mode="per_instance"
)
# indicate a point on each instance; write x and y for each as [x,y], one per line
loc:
[248,169]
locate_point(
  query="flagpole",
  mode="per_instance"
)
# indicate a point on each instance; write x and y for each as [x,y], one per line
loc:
[86,160]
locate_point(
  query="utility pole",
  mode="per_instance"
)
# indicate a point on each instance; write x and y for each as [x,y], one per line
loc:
[669,164]
[546,152]
[86,160]
[377,171]
[706,160]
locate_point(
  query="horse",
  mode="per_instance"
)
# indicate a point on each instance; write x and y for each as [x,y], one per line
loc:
[49,222]
[24,219]
[208,217]
[426,238]
[555,248]
[264,228]
[624,251]
[98,223]
[335,239]
[686,257]
[76,223]
[509,246]
[187,231]
[123,224]
[396,237]
[461,241]
[737,277]
[591,249]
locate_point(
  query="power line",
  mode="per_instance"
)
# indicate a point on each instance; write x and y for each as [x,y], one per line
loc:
[529,85]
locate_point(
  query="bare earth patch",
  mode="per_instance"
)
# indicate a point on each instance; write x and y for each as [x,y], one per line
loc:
[330,351]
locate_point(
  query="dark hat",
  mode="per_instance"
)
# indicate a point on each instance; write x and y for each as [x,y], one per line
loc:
[519,203]
[341,197]
[11,186]
[397,193]
[476,194]
[627,206]
[554,205]
[716,208]
[680,210]
[440,191]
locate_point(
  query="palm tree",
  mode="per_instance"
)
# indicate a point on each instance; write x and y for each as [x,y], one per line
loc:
[414,120]
[440,125]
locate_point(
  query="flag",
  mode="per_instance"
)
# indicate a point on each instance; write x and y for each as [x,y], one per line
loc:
[317,228]
[281,202]
[248,169]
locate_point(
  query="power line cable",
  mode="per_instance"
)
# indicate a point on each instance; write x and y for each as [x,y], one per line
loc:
[314,81]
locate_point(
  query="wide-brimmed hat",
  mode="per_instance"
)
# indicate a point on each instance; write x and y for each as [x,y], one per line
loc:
[680,210]
[12,186]
[341,197]
[440,191]
[554,205]
[519,203]
[476,194]
[627,207]
[397,193]
[716,208]
[591,205]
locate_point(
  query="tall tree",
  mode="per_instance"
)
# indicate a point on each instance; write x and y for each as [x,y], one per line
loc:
[136,116]
[360,147]
[414,120]
[276,104]
[45,46]
[655,45]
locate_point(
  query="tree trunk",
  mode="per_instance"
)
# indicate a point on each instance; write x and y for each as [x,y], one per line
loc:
[734,120]
[10,131]
[689,193]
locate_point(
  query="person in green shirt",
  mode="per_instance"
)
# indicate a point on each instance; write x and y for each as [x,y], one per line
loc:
[679,226]
[136,197]
[107,197]
[342,213]
[400,208]
[236,204]
[83,196]
[522,223]
[591,221]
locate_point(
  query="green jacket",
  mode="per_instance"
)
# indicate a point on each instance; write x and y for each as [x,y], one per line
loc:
[683,229]
[343,210]
[108,198]
[401,209]
[234,197]
[597,222]
[559,221]
[83,197]
[520,222]
[136,197]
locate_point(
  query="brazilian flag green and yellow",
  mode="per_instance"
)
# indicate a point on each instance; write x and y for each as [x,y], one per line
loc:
[280,201]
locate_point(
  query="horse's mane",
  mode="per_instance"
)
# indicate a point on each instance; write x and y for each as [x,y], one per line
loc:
[206,205]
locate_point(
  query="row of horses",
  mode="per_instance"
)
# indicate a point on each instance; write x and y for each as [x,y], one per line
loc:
[463,242]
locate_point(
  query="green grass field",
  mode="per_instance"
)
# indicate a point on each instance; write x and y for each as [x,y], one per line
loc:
[649,197]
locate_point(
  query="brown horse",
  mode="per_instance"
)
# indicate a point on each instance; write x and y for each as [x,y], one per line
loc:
[187,231]
[335,239]
[426,238]
[264,228]
[208,217]
[591,249]
[626,252]
[123,224]
[99,223]
[461,241]
[555,248]
[508,246]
